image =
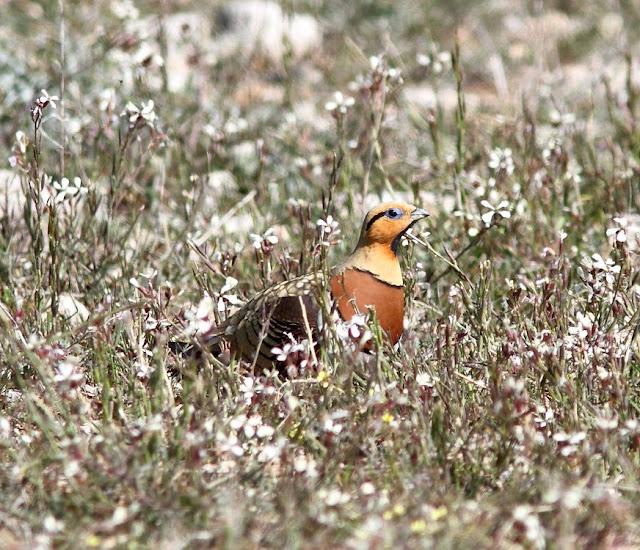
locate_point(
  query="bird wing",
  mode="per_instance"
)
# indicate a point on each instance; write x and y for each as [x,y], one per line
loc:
[283,311]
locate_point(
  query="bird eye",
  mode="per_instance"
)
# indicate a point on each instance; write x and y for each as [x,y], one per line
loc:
[393,213]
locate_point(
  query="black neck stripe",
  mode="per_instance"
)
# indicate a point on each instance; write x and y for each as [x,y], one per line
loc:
[374,219]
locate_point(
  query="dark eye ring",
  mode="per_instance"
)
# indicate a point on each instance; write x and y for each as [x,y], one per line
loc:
[393,213]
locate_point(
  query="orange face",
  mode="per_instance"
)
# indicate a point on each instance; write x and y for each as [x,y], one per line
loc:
[386,223]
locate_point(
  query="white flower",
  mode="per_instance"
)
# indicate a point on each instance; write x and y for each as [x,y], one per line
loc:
[329,230]
[619,233]
[606,424]
[268,453]
[224,298]
[201,318]
[574,171]
[22,141]
[500,160]
[251,426]
[568,443]
[229,284]
[332,427]
[553,151]
[423,60]
[300,463]
[52,525]
[229,444]
[293,353]
[528,523]
[5,427]
[265,241]
[145,112]
[64,189]
[124,9]
[501,210]
[583,326]
[340,103]
[424,380]
[367,488]
[335,497]
[249,387]
[354,330]
[107,99]
[436,61]
[264,431]
[327,226]
[47,100]
[66,374]
[561,119]
[238,421]
[608,268]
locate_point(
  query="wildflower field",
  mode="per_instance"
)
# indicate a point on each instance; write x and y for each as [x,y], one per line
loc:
[161,162]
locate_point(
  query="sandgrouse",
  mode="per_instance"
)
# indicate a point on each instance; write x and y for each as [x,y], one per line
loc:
[369,279]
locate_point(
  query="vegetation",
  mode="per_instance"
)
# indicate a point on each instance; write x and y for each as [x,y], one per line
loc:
[169,170]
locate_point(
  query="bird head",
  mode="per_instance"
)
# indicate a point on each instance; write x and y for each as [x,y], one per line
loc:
[386,223]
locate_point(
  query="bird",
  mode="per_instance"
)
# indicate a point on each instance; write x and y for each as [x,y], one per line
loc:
[368,281]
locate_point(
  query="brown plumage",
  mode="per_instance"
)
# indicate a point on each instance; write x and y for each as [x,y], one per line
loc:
[370,278]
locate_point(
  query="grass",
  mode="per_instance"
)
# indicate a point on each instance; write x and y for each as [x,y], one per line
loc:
[508,414]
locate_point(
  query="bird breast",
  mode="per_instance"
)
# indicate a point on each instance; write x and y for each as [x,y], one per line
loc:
[356,292]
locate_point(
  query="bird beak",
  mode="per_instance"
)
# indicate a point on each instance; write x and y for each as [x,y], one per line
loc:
[418,214]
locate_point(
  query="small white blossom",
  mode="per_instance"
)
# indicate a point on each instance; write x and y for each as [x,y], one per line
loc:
[437,61]
[354,331]
[607,268]
[626,226]
[266,241]
[584,325]
[249,387]
[329,229]
[527,522]
[67,374]
[500,160]
[501,210]
[5,427]
[224,298]
[52,525]
[107,100]
[294,354]
[367,488]
[65,189]
[335,497]
[332,427]
[561,119]
[125,9]
[424,380]
[145,112]
[47,100]
[269,453]
[340,103]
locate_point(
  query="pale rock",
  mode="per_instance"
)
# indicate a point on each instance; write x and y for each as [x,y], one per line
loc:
[74,311]
[256,26]
[221,183]
[187,35]
[12,197]
[307,113]
[246,157]
[218,184]
[424,96]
